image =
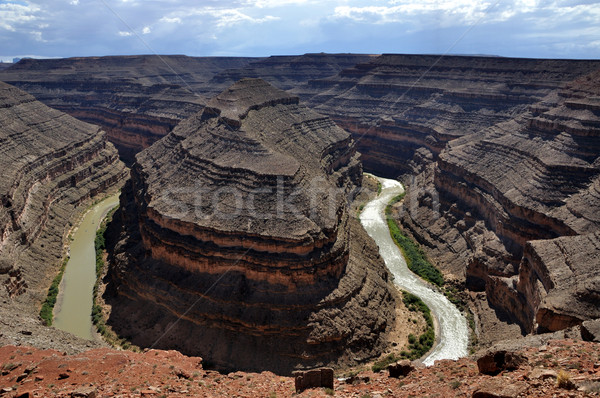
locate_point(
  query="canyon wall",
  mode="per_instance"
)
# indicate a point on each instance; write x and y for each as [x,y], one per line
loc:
[400,107]
[135,99]
[139,99]
[234,240]
[514,210]
[51,163]
[498,152]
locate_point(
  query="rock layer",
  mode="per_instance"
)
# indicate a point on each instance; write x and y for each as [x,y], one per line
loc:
[400,107]
[518,204]
[51,163]
[135,99]
[139,99]
[235,228]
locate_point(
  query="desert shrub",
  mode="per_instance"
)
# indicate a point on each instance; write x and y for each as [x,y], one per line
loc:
[46,312]
[563,380]
[382,364]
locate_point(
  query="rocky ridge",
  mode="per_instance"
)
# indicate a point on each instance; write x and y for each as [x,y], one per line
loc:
[139,99]
[51,163]
[404,107]
[104,372]
[517,203]
[135,99]
[235,228]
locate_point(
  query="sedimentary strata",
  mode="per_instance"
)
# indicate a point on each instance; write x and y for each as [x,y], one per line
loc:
[51,163]
[234,230]
[139,99]
[404,107]
[135,99]
[519,205]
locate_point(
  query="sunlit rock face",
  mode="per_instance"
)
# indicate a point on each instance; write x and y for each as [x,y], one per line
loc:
[51,163]
[236,224]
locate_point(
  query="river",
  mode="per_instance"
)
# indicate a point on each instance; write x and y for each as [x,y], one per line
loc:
[73,311]
[452,332]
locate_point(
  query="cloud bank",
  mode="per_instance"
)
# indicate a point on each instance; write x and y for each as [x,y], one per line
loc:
[521,28]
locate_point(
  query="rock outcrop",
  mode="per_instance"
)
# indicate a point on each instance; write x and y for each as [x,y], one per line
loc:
[135,99]
[404,107]
[518,204]
[235,242]
[106,372]
[51,163]
[139,99]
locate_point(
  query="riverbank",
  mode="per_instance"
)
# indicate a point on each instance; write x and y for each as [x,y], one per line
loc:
[72,312]
[451,330]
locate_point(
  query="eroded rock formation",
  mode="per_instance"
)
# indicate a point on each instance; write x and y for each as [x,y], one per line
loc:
[404,107]
[519,205]
[135,99]
[235,242]
[139,99]
[50,163]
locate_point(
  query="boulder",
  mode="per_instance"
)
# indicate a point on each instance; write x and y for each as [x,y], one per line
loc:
[315,378]
[402,368]
[590,330]
[84,392]
[500,389]
[493,362]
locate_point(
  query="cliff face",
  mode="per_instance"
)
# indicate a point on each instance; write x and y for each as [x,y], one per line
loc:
[519,204]
[290,71]
[50,164]
[139,99]
[397,106]
[235,228]
[135,99]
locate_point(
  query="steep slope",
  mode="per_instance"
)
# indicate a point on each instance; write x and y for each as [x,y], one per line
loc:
[519,205]
[235,228]
[51,163]
[400,107]
[135,99]
[139,99]
[289,71]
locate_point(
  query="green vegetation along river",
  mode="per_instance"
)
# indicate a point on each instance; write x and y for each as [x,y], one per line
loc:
[74,305]
[453,333]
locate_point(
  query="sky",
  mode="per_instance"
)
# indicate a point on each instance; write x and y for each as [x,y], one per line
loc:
[516,28]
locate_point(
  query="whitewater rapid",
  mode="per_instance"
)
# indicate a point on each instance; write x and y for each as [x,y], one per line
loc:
[452,333]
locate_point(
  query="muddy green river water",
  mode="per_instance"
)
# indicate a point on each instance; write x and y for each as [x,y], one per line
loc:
[74,305]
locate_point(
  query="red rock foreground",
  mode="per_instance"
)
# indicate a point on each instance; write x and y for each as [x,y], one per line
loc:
[155,373]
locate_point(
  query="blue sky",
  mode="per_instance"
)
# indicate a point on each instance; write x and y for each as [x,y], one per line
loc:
[521,28]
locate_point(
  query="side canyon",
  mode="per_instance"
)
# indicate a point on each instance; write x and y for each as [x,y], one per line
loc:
[52,164]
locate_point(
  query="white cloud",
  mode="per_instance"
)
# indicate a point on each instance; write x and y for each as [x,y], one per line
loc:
[176,20]
[275,3]
[459,11]
[74,2]
[146,30]
[125,34]
[37,35]
[222,17]
[13,15]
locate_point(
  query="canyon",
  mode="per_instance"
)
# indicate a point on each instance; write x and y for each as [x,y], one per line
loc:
[517,203]
[139,99]
[52,165]
[234,241]
[500,158]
